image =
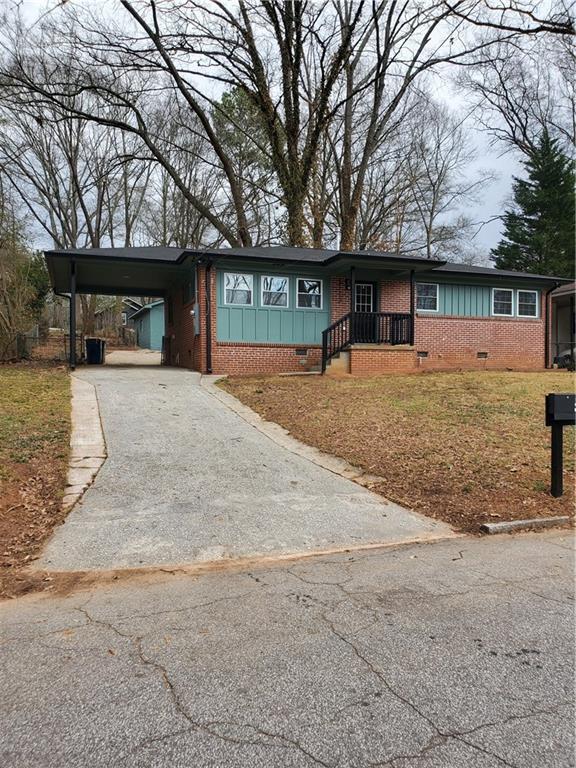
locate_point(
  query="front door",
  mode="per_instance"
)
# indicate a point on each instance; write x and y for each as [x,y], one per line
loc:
[365,321]
[365,299]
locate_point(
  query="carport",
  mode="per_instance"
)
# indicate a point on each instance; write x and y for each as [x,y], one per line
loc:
[146,271]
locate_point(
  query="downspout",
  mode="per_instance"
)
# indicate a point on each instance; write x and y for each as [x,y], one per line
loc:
[412,306]
[208,289]
[547,320]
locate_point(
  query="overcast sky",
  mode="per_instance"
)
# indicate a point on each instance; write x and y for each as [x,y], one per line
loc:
[489,157]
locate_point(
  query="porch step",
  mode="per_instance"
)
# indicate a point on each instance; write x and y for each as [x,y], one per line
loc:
[340,363]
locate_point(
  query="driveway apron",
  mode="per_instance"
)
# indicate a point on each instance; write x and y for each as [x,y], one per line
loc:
[187,480]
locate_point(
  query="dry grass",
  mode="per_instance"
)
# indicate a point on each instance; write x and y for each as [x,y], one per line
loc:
[461,447]
[34,444]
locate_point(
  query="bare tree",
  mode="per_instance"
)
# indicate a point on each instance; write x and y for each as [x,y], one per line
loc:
[525,91]
[298,64]
[16,291]
[300,67]
[78,181]
[524,17]
[440,155]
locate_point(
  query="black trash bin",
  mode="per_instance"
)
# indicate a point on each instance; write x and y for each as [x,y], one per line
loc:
[95,351]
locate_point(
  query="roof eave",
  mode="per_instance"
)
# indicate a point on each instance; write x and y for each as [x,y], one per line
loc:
[515,276]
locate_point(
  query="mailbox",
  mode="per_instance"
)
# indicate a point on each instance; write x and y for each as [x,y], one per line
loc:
[560,412]
[560,409]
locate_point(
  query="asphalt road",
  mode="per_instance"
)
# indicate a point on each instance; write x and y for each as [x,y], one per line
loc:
[451,654]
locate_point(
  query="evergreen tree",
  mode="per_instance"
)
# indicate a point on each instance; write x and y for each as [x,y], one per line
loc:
[539,232]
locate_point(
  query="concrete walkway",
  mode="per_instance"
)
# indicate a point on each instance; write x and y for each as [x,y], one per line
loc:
[187,480]
[133,357]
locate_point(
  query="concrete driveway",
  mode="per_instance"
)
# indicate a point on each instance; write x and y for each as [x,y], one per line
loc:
[188,480]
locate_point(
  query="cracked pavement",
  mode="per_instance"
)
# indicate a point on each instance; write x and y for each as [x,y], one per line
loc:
[456,653]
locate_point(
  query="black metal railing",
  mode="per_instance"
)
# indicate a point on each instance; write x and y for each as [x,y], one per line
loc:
[366,328]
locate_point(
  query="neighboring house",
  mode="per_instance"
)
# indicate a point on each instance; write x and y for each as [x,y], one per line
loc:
[106,317]
[148,323]
[282,309]
[564,326]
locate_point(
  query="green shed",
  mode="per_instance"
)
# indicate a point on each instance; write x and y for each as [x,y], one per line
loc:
[149,325]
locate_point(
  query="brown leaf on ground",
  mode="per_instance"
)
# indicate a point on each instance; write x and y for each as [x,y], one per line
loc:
[34,445]
[459,447]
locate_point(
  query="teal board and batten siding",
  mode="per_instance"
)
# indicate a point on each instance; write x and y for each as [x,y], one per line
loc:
[468,300]
[273,325]
[149,326]
[142,328]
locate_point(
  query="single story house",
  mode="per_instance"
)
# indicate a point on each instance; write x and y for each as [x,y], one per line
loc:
[284,309]
[106,317]
[148,323]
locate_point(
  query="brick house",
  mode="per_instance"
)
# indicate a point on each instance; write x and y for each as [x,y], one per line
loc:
[283,309]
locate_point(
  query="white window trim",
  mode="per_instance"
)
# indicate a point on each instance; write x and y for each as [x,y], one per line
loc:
[529,290]
[275,306]
[316,280]
[502,314]
[244,274]
[437,286]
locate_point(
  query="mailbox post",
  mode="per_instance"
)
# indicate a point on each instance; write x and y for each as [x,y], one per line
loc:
[560,412]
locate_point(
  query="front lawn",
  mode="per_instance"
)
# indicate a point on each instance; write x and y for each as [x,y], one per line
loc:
[34,444]
[461,447]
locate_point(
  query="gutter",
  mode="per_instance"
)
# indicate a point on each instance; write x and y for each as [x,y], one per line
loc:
[207,262]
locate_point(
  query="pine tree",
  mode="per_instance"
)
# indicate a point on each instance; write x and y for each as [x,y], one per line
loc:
[539,232]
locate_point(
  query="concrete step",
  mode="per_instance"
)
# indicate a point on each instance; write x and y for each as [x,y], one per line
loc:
[340,363]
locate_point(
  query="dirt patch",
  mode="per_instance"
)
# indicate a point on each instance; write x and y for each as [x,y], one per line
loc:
[34,446]
[464,448]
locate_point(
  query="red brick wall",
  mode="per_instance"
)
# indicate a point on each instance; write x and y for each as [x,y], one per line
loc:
[394,296]
[339,298]
[371,361]
[188,350]
[454,342]
[247,359]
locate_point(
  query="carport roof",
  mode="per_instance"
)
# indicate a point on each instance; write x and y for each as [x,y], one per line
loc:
[152,270]
[149,271]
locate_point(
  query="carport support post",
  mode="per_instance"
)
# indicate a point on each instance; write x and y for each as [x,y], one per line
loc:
[72,315]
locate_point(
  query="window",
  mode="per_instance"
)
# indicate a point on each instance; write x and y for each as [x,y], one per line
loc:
[309,294]
[274,291]
[527,303]
[238,289]
[124,317]
[502,301]
[427,297]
